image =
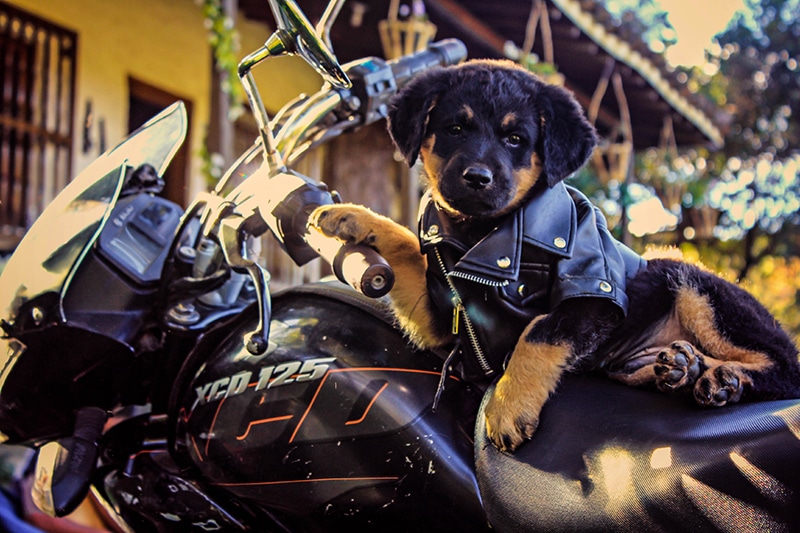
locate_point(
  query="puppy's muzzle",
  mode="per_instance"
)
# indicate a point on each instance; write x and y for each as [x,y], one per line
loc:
[478,177]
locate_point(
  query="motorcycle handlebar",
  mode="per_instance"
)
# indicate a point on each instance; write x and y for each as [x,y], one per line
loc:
[374,83]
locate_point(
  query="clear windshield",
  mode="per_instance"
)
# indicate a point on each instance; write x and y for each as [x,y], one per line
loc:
[54,246]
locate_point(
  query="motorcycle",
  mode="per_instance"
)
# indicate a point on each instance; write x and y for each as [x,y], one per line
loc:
[147,362]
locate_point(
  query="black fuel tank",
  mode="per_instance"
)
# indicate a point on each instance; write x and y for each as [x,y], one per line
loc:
[333,426]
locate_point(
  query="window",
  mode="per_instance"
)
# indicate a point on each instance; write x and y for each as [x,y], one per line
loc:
[37,80]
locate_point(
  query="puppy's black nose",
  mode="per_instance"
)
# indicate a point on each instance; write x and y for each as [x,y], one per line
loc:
[478,177]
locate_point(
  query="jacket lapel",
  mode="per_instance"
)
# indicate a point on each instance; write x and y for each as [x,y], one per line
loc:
[548,221]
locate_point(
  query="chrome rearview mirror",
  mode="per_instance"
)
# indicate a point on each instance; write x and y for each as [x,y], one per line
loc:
[294,35]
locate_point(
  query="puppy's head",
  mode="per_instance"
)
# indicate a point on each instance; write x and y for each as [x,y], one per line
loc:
[489,134]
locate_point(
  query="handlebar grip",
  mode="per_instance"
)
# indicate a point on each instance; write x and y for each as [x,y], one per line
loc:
[442,53]
[358,265]
[364,269]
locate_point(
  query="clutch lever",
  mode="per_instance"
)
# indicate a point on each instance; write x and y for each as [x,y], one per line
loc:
[233,236]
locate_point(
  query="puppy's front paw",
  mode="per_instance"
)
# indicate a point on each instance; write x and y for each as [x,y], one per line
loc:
[347,222]
[512,414]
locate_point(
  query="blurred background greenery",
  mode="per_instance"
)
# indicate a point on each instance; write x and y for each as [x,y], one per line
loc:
[738,208]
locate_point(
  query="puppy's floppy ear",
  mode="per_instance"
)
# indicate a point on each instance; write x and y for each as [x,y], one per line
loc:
[568,138]
[409,109]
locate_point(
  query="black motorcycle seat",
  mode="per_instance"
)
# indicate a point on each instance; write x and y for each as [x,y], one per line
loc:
[607,457]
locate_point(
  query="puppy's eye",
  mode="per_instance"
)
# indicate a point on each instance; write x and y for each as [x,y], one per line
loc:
[455,130]
[513,140]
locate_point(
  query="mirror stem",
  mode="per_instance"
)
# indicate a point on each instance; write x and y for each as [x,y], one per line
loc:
[273,47]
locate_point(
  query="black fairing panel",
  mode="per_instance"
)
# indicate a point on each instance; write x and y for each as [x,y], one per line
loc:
[65,368]
[607,457]
[332,427]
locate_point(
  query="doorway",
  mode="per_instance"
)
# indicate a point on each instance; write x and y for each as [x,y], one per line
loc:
[146,101]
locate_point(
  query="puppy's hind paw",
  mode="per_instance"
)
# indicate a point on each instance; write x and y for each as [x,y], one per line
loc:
[720,386]
[677,366]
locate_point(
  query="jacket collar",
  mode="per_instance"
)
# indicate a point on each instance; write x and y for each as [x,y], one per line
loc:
[548,221]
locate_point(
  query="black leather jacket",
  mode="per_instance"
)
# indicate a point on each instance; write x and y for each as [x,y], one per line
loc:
[555,247]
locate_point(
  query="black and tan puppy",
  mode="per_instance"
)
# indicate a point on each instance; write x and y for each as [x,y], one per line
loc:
[520,272]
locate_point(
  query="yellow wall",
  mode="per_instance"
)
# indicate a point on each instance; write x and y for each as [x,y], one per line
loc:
[163,43]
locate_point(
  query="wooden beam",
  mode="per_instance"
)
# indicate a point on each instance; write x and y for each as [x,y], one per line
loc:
[468,23]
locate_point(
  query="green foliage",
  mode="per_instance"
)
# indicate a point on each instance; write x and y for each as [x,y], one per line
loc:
[753,182]
[760,55]
[224,41]
[533,64]
[755,79]
[758,188]
[643,18]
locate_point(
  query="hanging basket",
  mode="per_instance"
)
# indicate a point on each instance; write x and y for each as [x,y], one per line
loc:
[555,78]
[612,161]
[403,37]
[547,72]
[671,194]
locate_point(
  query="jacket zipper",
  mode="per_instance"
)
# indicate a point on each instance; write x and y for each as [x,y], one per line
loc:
[459,310]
